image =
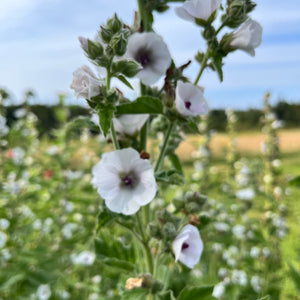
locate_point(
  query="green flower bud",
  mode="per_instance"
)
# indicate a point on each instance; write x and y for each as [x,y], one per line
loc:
[209,32]
[127,67]
[154,230]
[204,220]
[192,208]
[94,50]
[114,24]
[178,203]
[169,231]
[236,14]
[119,44]
[106,34]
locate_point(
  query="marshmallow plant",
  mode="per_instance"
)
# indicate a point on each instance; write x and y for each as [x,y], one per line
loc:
[128,178]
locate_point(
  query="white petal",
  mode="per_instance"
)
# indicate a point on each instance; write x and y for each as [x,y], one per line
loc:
[130,123]
[182,13]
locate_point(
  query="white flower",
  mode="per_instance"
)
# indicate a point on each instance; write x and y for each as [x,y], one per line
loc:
[245,194]
[190,100]
[4,224]
[239,231]
[43,292]
[197,9]
[3,239]
[124,181]
[239,277]
[221,226]
[85,258]
[3,127]
[254,252]
[256,283]
[20,113]
[248,37]
[219,290]
[130,124]
[18,155]
[149,50]
[188,246]
[85,84]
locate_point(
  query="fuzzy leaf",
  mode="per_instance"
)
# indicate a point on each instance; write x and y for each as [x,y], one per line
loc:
[176,163]
[295,276]
[201,293]
[105,113]
[295,181]
[125,81]
[217,66]
[142,105]
[135,294]
[170,177]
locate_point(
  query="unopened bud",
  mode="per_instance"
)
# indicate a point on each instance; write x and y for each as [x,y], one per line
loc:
[115,24]
[119,44]
[169,231]
[106,34]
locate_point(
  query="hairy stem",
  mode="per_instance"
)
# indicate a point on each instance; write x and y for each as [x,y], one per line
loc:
[165,146]
[203,66]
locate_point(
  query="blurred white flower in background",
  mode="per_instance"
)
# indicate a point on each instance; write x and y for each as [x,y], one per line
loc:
[219,290]
[43,292]
[245,194]
[85,258]
[3,127]
[3,239]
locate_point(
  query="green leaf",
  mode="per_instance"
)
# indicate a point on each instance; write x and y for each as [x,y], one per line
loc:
[170,177]
[176,163]
[125,81]
[7,285]
[135,294]
[196,293]
[104,218]
[142,105]
[168,295]
[295,181]
[295,276]
[105,113]
[127,67]
[217,66]
[265,298]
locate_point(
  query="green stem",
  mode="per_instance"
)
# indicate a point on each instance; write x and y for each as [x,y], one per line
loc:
[203,66]
[143,136]
[114,136]
[165,146]
[220,28]
[144,242]
[143,14]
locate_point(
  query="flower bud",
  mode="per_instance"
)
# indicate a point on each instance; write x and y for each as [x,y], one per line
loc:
[236,14]
[154,230]
[119,44]
[169,231]
[106,34]
[114,24]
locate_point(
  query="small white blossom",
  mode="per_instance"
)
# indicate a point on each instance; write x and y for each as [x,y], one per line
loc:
[85,258]
[43,292]
[219,290]
[239,277]
[4,224]
[20,113]
[254,252]
[151,52]
[245,194]
[189,100]
[85,83]
[130,124]
[239,231]
[18,155]
[3,127]
[124,181]
[188,246]
[3,239]
[248,37]
[68,230]
[221,226]
[197,9]
[256,283]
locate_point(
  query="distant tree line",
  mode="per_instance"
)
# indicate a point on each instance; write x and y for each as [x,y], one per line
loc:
[48,117]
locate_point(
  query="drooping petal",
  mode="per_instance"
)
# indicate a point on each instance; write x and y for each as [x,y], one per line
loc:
[130,123]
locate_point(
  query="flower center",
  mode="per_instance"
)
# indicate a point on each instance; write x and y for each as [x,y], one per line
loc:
[184,246]
[187,104]
[144,59]
[127,180]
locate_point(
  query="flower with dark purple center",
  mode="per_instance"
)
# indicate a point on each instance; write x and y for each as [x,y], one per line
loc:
[151,52]
[188,246]
[124,180]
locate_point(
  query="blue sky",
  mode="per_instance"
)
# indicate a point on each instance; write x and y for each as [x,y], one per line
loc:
[39,49]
